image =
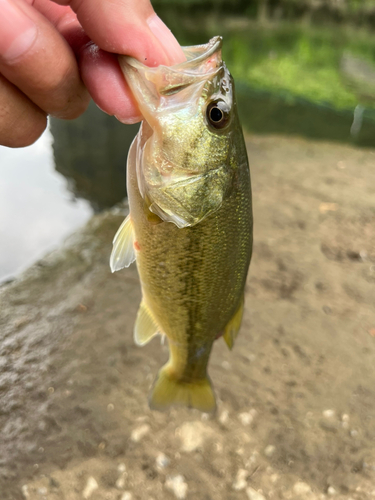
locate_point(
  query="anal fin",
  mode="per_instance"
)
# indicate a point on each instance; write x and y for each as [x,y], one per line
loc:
[123,253]
[232,328]
[145,326]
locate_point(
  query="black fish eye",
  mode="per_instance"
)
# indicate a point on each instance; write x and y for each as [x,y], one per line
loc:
[218,114]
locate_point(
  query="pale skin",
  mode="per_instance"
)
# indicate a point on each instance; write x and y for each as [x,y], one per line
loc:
[55,55]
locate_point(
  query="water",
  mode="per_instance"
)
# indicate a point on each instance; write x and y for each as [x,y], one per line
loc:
[51,188]
[290,80]
[37,211]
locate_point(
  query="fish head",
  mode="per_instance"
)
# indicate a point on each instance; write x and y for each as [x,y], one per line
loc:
[187,147]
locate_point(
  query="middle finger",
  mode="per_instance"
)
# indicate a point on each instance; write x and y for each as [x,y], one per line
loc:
[37,59]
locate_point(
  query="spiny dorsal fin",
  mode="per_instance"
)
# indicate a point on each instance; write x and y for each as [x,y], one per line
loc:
[232,328]
[123,253]
[145,326]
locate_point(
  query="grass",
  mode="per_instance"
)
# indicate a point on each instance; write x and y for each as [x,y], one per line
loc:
[287,58]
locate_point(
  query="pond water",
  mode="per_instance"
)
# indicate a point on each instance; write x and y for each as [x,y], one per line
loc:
[290,80]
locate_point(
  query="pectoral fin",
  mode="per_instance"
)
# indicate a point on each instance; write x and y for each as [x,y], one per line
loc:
[145,326]
[123,253]
[232,328]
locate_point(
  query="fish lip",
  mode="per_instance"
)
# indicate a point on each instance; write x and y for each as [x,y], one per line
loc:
[204,51]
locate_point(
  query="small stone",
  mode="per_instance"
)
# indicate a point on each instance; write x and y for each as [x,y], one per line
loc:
[331,490]
[246,418]
[354,433]
[90,487]
[177,485]
[345,417]
[51,390]
[192,435]
[121,467]
[224,415]
[126,496]
[240,482]
[270,450]
[138,433]
[110,407]
[42,491]
[254,495]
[301,488]
[162,461]
[329,413]
[121,481]
[25,491]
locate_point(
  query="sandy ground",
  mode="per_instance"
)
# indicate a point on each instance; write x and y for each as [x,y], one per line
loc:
[296,396]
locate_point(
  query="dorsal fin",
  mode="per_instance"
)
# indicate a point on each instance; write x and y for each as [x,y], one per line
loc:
[123,253]
[145,326]
[232,328]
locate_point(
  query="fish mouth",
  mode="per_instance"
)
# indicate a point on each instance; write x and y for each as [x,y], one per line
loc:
[195,56]
[150,84]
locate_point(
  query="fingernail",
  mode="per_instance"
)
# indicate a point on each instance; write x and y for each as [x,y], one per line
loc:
[166,39]
[18,31]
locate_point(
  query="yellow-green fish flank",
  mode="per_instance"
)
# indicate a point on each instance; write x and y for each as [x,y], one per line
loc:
[190,221]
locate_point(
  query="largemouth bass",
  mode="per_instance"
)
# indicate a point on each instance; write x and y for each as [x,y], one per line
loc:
[190,221]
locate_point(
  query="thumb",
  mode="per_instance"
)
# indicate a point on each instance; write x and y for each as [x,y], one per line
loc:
[128,27]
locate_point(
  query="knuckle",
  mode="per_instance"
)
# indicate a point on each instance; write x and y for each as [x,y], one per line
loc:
[24,133]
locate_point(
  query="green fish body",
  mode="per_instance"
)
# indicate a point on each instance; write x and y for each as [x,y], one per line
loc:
[190,221]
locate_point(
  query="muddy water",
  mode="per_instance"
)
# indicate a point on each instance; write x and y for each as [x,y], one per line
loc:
[296,396]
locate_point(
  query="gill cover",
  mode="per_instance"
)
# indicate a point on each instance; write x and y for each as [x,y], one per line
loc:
[183,159]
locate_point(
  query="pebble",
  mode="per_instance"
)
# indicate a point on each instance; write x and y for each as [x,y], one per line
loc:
[240,481]
[301,488]
[90,487]
[25,491]
[177,485]
[139,432]
[246,418]
[121,467]
[192,435]
[162,461]
[224,415]
[254,495]
[270,450]
[120,483]
[329,413]
[126,496]
[331,490]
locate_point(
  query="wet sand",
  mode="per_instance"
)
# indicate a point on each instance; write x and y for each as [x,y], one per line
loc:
[296,396]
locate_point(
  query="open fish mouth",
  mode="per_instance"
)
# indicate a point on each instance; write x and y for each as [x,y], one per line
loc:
[150,84]
[180,160]
[202,62]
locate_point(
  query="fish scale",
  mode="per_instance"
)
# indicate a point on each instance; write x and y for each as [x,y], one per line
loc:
[192,227]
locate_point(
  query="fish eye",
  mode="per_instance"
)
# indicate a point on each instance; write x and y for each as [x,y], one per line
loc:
[218,114]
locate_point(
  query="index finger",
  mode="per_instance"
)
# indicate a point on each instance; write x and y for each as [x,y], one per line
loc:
[128,27]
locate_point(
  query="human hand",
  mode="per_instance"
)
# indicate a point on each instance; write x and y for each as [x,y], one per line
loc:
[46,48]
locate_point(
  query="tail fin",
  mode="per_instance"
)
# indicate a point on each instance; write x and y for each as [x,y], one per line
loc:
[168,392]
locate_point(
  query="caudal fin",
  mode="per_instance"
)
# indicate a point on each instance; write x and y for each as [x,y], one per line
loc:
[168,392]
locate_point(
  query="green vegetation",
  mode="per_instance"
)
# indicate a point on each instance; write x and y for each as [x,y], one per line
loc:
[289,59]
[298,61]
